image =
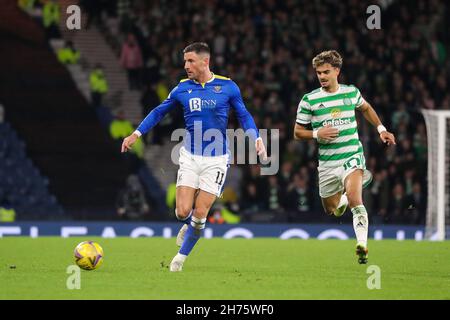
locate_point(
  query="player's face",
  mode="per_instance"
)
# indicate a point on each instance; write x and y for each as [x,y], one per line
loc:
[195,64]
[327,75]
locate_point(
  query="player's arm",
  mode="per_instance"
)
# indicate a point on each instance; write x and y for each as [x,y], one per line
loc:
[304,115]
[371,116]
[246,120]
[328,133]
[151,120]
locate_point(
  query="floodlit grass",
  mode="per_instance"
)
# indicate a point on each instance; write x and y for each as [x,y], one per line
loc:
[226,269]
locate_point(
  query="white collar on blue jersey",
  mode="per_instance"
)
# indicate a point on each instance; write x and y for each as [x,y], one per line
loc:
[210,80]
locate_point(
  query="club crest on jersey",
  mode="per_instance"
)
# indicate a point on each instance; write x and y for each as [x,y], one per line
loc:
[347,101]
[217,89]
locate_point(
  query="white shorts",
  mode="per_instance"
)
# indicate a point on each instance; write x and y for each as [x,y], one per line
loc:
[204,173]
[331,180]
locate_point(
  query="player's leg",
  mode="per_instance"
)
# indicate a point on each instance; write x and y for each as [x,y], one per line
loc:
[210,182]
[353,186]
[330,204]
[342,205]
[331,189]
[203,204]
[187,188]
[185,197]
[184,203]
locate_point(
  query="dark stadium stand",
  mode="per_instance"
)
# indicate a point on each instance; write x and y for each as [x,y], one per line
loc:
[21,185]
[267,48]
[62,132]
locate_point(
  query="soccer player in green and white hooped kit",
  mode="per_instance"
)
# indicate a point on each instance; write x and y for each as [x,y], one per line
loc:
[342,171]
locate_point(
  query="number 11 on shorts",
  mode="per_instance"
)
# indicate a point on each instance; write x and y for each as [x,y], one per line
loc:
[219,178]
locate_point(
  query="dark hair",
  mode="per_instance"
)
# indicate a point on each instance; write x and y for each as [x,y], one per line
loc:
[197,47]
[332,57]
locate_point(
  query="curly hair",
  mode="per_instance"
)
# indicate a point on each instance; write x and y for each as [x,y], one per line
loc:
[332,57]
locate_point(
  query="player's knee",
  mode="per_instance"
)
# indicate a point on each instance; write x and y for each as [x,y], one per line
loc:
[182,212]
[201,211]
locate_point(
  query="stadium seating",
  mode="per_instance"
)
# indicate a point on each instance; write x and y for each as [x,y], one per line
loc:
[22,186]
[62,132]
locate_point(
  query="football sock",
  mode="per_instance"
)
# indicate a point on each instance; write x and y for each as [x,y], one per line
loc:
[186,220]
[193,233]
[360,223]
[180,257]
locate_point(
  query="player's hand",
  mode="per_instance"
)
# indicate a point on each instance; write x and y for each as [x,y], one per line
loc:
[128,142]
[387,138]
[328,133]
[261,148]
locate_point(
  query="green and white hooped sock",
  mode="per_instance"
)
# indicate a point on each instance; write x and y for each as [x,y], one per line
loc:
[360,223]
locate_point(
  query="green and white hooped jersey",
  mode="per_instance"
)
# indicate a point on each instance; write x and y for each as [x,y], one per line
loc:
[321,108]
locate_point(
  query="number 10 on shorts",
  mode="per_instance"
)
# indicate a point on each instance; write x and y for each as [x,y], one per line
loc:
[353,162]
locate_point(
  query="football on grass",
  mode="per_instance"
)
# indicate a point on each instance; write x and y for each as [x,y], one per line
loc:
[88,255]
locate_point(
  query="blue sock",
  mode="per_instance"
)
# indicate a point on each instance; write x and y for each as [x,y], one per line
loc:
[193,233]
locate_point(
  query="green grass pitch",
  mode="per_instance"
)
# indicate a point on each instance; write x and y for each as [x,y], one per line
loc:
[226,269]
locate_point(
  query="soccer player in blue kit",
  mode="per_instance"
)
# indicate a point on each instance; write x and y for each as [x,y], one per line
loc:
[206,99]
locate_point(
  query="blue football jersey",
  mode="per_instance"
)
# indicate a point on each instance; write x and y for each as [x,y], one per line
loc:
[206,107]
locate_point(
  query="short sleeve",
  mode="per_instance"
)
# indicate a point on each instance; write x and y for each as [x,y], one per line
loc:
[359,99]
[304,113]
